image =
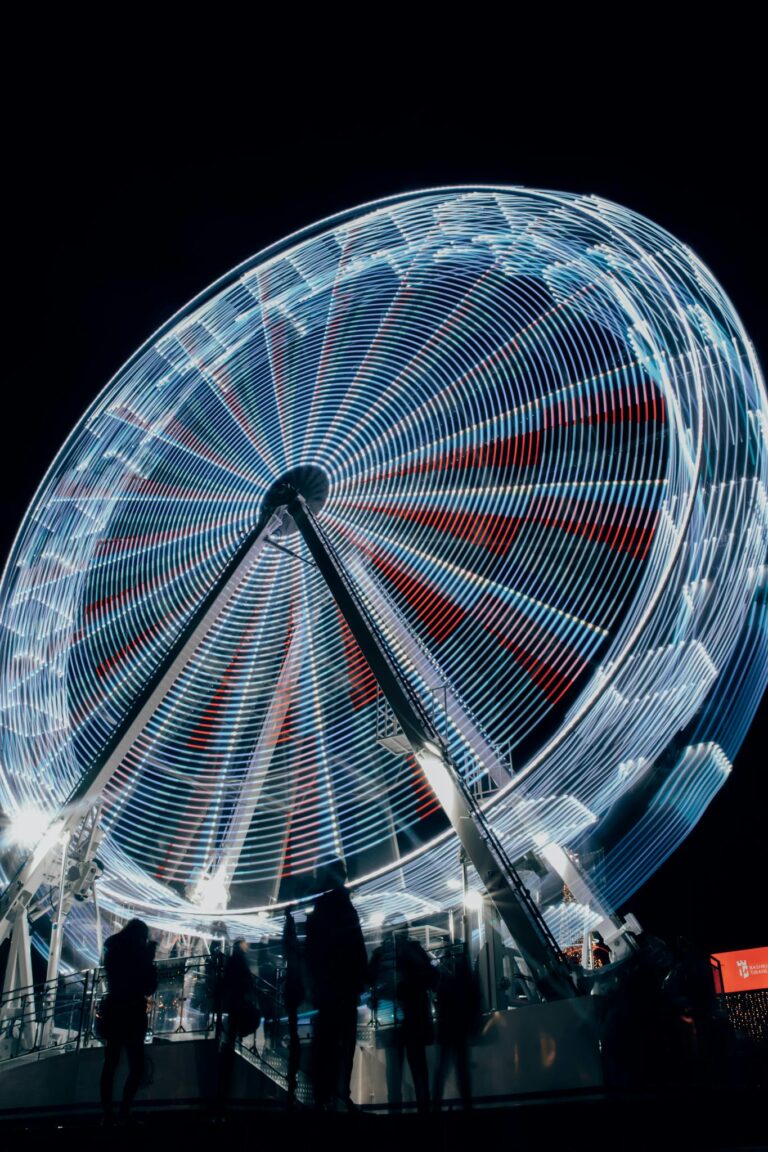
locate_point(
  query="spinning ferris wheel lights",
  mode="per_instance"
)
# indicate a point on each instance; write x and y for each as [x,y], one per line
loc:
[537,432]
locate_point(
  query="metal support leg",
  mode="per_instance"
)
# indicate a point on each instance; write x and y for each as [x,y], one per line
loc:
[48,1006]
[17,1013]
[523,919]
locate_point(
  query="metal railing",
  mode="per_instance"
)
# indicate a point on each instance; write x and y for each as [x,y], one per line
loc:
[58,1016]
[65,1014]
[55,1014]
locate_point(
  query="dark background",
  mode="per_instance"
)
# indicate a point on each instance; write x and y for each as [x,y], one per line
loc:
[141,172]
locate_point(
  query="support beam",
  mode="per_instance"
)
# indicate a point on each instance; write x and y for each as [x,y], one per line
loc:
[54,948]
[258,768]
[404,646]
[547,964]
[18,1003]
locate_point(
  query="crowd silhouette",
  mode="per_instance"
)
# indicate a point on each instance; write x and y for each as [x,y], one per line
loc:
[659,1010]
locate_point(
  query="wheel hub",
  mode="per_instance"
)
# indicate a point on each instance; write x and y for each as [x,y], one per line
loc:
[307,480]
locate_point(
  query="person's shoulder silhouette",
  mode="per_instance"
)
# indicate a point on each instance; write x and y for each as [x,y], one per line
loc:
[129,962]
[237,977]
[335,948]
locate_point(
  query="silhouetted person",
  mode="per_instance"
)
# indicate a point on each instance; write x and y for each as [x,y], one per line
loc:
[267,990]
[635,1042]
[402,973]
[131,978]
[214,969]
[293,994]
[458,1017]
[239,1004]
[337,964]
[689,991]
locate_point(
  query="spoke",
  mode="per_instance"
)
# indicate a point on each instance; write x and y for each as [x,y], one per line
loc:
[384,328]
[474,583]
[410,377]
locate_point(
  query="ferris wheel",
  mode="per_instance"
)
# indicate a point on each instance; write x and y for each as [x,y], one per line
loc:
[530,432]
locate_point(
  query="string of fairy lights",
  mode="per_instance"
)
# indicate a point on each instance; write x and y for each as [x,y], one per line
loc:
[544,432]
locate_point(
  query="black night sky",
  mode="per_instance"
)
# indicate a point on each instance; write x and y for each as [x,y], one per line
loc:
[130,194]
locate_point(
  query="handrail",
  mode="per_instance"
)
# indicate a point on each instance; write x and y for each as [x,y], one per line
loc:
[56,1016]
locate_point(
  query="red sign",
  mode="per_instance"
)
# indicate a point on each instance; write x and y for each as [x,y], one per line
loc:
[744,971]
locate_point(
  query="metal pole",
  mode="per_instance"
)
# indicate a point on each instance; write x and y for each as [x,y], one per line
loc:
[54,951]
[465,921]
[83,1011]
[586,950]
[456,716]
[99,934]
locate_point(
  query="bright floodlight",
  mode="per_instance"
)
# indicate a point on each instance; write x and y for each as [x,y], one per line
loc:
[535,430]
[473,900]
[27,826]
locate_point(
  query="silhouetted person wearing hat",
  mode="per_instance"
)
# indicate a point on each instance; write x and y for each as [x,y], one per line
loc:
[337,965]
[131,978]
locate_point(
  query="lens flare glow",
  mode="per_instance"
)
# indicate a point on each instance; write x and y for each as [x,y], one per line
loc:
[27,826]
